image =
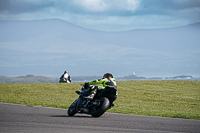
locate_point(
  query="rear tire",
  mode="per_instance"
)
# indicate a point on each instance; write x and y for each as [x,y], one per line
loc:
[104,105]
[72,109]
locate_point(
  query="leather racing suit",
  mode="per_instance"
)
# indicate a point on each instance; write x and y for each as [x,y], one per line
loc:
[109,88]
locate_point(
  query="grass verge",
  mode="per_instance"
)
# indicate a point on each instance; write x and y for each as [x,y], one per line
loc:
[175,99]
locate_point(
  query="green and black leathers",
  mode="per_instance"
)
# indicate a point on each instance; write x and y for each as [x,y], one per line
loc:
[108,90]
[107,83]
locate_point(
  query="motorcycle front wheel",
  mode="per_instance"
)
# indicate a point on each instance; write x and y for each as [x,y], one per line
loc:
[72,109]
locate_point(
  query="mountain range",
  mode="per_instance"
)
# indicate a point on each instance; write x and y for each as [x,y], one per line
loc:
[75,79]
[49,47]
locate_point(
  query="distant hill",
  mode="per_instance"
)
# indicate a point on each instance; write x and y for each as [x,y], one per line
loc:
[43,79]
[49,47]
[26,79]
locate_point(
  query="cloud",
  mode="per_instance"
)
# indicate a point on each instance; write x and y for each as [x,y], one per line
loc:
[106,14]
[132,4]
[91,5]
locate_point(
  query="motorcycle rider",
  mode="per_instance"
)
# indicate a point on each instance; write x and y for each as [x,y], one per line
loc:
[108,90]
[66,76]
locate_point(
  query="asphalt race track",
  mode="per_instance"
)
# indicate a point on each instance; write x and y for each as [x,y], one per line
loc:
[27,119]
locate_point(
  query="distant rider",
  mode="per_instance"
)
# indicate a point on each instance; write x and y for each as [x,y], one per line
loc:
[108,90]
[66,77]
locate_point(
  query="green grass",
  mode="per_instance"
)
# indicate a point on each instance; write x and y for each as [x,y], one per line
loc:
[176,99]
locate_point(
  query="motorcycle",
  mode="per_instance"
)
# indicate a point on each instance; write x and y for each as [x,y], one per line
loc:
[64,80]
[89,104]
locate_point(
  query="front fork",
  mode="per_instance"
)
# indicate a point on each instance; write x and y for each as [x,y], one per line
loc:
[81,104]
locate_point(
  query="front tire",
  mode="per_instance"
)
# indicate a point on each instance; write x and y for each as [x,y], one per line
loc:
[104,105]
[72,109]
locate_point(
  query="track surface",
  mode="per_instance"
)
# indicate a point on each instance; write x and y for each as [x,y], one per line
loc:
[21,118]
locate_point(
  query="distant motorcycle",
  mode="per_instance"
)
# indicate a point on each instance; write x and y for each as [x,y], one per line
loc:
[64,80]
[89,104]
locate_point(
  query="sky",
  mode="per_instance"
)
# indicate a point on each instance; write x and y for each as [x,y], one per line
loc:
[106,15]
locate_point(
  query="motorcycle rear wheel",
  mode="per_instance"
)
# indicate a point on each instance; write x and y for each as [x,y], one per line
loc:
[104,105]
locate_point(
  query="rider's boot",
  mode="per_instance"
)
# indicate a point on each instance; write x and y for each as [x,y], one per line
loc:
[111,105]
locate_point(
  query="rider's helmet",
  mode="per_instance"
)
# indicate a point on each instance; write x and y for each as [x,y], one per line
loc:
[65,71]
[107,75]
